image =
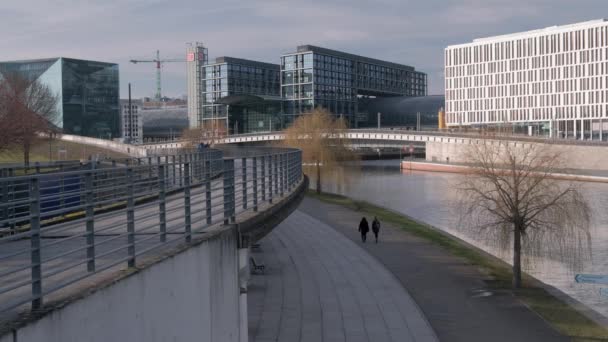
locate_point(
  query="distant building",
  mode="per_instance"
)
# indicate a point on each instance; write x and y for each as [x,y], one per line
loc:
[403,111]
[240,95]
[235,95]
[88,93]
[132,126]
[163,123]
[196,58]
[550,81]
[318,77]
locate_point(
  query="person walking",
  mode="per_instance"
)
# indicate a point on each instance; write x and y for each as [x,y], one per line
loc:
[363,228]
[376,227]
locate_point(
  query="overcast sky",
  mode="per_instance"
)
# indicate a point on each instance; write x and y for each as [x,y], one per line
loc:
[402,31]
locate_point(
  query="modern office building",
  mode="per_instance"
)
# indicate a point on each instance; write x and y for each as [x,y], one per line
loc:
[132,129]
[239,95]
[552,81]
[87,91]
[404,112]
[318,77]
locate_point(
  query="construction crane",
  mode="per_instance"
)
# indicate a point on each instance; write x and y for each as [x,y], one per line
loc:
[159,63]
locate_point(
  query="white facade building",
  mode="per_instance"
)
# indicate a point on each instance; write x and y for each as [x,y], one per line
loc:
[553,80]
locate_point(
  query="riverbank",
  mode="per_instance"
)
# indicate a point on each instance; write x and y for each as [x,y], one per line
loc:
[491,274]
[464,169]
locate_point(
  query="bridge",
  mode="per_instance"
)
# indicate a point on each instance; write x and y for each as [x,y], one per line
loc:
[437,146]
[88,248]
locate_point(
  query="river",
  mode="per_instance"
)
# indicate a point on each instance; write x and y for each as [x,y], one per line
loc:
[431,197]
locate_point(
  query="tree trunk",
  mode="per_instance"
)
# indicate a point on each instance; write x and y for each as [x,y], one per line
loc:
[318,178]
[517,258]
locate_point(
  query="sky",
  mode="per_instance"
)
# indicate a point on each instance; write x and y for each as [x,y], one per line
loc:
[402,31]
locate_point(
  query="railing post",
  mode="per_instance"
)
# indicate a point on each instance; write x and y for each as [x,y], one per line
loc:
[283,181]
[255,183]
[244,181]
[263,177]
[162,211]
[130,219]
[181,170]
[149,170]
[276,174]
[270,179]
[229,191]
[35,253]
[208,190]
[173,163]
[11,196]
[187,209]
[61,187]
[90,221]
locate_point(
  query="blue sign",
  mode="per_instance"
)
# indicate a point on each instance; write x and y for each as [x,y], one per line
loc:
[591,278]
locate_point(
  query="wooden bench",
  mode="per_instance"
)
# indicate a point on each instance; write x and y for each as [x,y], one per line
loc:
[255,268]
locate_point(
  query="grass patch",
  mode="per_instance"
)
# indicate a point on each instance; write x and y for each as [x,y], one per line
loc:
[44,150]
[559,314]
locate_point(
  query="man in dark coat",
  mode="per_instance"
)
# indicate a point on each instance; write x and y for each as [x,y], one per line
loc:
[363,229]
[376,227]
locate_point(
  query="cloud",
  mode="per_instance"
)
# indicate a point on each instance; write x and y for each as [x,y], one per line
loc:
[404,31]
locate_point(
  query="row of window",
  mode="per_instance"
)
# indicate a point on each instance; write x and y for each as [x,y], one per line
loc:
[239,71]
[588,85]
[320,92]
[573,40]
[572,99]
[529,115]
[530,64]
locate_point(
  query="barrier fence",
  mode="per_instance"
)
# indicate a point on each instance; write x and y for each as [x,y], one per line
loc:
[62,227]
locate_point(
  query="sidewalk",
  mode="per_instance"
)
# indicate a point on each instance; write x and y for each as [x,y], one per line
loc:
[451,293]
[320,286]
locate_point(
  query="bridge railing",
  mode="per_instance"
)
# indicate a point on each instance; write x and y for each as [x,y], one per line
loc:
[59,228]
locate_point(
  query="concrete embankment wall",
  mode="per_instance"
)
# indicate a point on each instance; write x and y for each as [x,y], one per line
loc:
[582,157]
[191,296]
[458,168]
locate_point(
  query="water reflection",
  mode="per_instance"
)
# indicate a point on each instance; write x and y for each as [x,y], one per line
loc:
[431,197]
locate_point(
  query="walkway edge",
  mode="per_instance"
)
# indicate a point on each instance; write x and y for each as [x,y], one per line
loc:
[559,295]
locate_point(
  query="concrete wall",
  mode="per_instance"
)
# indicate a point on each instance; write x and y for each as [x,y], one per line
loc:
[582,157]
[192,296]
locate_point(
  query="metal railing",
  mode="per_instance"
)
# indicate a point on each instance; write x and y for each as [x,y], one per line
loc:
[436,133]
[60,228]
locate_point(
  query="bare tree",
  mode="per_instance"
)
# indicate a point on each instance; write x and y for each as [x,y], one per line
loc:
[27,109]
[511,196]
[318,135]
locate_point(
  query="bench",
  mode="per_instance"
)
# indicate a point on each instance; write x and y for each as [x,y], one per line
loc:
[256,267]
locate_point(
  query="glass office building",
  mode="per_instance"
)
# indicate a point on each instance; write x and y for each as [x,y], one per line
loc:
[240,95]
[87,91]
[318,77]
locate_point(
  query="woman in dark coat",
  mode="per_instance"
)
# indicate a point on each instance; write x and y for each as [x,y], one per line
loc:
[363,229]
[376,227]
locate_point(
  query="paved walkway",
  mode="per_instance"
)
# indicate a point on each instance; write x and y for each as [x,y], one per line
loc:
[320,286]
[453,295]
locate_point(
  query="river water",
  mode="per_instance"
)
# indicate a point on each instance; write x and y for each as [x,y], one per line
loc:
[431,197]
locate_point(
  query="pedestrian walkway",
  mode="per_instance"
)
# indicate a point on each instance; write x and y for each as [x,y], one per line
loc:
[320,286]
[453,295]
